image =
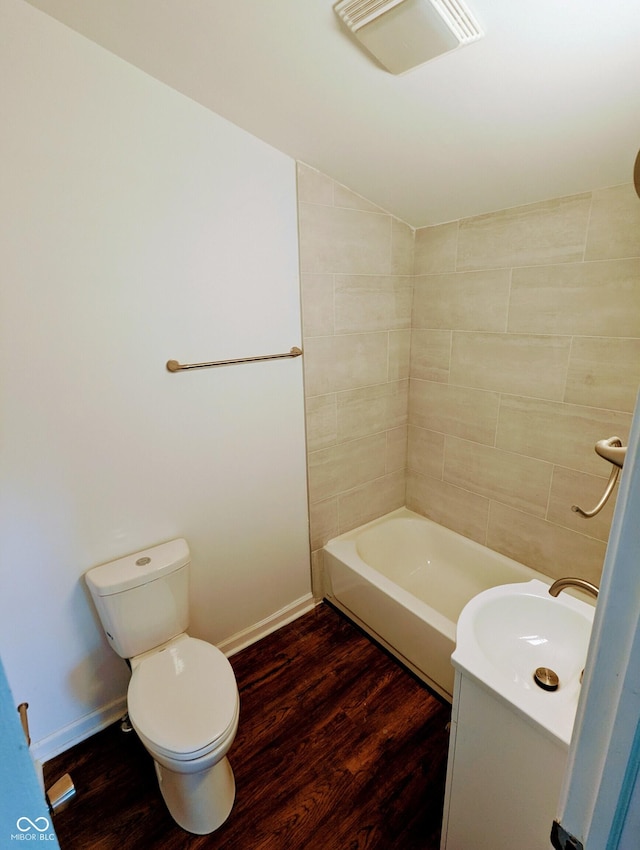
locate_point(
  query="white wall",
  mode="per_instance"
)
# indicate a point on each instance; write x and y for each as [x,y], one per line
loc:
[136,227]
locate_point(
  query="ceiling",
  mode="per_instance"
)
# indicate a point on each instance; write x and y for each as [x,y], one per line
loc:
[546,104]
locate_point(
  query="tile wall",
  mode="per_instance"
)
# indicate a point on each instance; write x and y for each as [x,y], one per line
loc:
[467,369]
[356,265]
[525,351]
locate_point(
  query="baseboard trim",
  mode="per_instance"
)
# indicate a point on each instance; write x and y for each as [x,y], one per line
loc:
[81,729]
[243,639]
[67,737]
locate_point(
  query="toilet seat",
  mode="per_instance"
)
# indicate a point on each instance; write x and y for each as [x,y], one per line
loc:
[183,700]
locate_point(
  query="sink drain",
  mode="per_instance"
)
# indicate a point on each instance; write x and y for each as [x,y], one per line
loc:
[546,679]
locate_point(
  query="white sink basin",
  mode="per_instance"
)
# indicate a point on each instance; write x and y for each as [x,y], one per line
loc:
[506,633]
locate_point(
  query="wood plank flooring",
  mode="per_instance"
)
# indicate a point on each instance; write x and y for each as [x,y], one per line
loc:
[339,748]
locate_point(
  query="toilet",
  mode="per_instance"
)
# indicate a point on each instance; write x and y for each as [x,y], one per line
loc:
[183,699]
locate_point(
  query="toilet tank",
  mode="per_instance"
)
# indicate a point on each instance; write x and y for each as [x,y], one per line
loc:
[143,598]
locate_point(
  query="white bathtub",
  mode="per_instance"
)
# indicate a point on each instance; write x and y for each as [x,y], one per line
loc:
[405,579]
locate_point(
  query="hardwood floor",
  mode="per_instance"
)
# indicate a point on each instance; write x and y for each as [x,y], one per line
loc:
[339,748]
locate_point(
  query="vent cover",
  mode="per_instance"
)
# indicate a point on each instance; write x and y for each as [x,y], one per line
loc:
[402,34]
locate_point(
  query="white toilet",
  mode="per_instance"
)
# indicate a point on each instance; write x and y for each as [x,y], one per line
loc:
[183,698]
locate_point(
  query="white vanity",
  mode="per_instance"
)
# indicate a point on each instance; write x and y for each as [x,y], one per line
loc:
[509,735]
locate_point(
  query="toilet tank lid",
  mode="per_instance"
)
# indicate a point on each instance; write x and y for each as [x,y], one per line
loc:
[138,568]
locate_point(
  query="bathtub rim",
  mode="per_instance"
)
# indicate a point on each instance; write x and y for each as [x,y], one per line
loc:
[343,548]
[346,545]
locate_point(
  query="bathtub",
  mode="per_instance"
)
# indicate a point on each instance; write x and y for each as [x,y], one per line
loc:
[405,579]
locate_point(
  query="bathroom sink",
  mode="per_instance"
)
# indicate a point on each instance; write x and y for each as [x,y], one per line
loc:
[508,634]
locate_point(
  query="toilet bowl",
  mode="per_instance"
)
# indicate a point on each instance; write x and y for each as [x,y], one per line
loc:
[183,703]
[182,698]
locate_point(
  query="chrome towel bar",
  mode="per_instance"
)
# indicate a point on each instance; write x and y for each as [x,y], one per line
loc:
[174,366]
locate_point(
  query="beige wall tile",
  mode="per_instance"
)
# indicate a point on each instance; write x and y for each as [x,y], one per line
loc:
[436,249]
[357,332]
[322,421]
[467,413]
[344,466]
[518,481]
[343,197]
[549,232]
[371,500]
[430,355]
[473,301]
[504,293]
[323,521]
[402,247]
[343,362]
[604,372]
[568,488]
[399,355]
[396,458]
[549,548]
[317,304]
[590,299]
[313,186]
[614,227]
[334,239]
[564,434]
[369,410]
[425,453]
[447,505]
[372,303]
[511,363]
[318,588]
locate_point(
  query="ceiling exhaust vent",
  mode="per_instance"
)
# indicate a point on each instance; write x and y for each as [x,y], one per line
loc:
[402,34]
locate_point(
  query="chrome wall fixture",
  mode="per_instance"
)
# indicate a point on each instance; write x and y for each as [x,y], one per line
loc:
[174,366]
[613,451]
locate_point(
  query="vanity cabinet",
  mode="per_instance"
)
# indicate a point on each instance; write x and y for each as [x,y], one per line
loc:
[504,774]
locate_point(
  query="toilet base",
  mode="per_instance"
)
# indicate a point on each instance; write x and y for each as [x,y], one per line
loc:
[198,802]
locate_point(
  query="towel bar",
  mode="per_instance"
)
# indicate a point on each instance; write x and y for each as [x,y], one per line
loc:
[613,451]
[174,366]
